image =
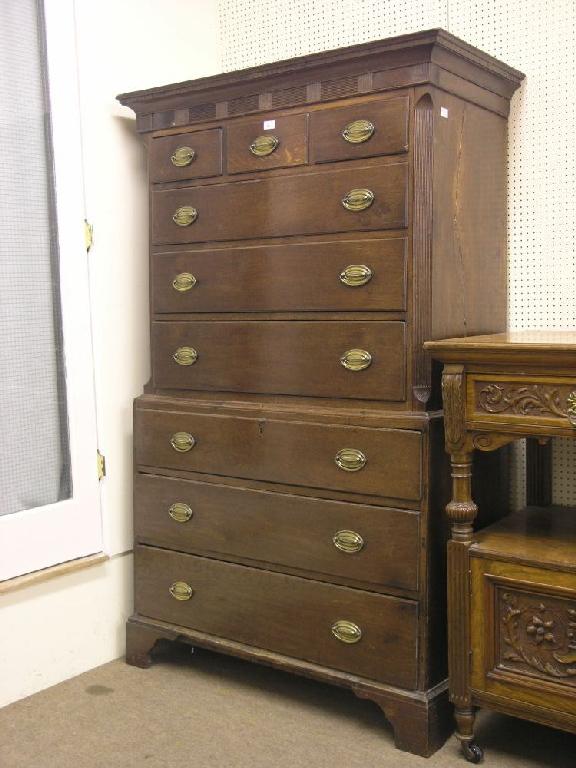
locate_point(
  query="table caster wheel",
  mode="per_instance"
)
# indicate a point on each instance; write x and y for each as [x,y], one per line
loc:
[472,752]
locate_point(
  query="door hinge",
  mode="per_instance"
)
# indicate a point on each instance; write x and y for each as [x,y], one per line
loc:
[100,464]
[88,235]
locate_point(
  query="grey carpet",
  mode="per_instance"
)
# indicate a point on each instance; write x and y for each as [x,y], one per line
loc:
[210,711]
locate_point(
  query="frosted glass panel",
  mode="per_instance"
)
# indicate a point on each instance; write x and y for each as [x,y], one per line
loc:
[34,450]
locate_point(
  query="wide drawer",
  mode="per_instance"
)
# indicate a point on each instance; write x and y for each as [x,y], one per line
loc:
[324,359]
[256,144]
[186,156]
[340,276]
[380,462]
[364,633]
[303,204]
[360,130]
[351,541]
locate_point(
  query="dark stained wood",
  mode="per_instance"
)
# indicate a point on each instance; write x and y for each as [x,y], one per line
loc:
[292,149]
[291,615]
[428,710]
[390,120]
[267,400]
[372,414]
[538,473]
[291,452]
[512,586]
[285,277]
[383,63]
[423,141]
[291,205]
[469,287]
[207,146]
[420,728]
[141,641]
[280,530]
[301,358]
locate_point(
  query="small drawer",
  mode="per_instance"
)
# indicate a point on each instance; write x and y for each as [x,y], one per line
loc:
[357,275]
[521,400]
[348,541]
[186,156]
[378,462]
[343,200]
[364,633]
[362,130]
[364,360]
[259,144]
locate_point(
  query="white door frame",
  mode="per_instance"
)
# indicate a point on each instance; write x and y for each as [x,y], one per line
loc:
[38,538]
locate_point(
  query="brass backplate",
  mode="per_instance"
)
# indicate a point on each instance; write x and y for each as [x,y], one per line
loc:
[356,360]
[346,631]
[182,157]
[180,512]
[358,131]
[182,442]
[264,145]
[358,200]
[356,275]
[181,591]
[350,459]
[348,541]
[185,215]
[185,356]
[184,282]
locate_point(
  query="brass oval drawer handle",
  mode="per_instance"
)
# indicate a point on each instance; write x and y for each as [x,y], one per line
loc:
[185,215]
[180,512]
[358,131]
[355,275]
[358,199]
[182,157]
[356,360]
[184,282]
[347,632]
[350,460]
[264,145]
[348,541]
[181,591]
[571,408]
[182,442]
[185,356]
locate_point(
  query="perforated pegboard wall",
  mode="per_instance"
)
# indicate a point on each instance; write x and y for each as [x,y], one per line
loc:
[536,37]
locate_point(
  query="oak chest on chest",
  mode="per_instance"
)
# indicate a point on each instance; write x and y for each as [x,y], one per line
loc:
[312,223]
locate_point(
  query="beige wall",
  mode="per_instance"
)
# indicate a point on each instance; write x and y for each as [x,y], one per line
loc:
[60,628]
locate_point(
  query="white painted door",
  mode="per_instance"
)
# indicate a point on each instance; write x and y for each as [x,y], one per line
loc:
[49,494]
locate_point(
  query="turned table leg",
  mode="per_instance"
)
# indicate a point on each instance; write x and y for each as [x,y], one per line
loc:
[461,512]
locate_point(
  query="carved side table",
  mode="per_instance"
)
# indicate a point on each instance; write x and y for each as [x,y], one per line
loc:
[512,586]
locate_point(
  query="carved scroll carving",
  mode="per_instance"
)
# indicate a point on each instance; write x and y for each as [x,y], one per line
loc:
[534,399]
[490,441]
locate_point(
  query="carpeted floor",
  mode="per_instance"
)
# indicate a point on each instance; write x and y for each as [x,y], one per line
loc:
[210,711]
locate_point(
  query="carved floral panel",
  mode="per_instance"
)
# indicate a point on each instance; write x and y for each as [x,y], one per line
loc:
[537,635]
